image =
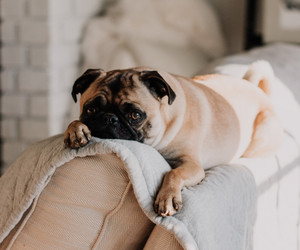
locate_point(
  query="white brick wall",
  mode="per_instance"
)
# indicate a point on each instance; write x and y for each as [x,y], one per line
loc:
[33,32]
[8,81]
[9,128]
[12,9]
[38,8]
[13,56]
[38,106]
[39,59]
[9,32]
[14,105]
[33,129]
[33,80]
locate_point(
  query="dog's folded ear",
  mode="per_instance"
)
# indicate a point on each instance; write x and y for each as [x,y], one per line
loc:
[157,85]
[85,80]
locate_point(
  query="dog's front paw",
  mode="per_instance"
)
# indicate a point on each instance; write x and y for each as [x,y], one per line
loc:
[168,201]
[77,135]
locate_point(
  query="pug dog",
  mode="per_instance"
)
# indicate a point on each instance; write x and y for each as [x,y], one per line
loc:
[194,123]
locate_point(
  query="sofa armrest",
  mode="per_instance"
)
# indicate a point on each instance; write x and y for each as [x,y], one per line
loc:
[88,203]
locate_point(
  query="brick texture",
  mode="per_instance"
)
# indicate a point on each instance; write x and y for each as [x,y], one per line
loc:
[14,105]
[9,32]
[33,81]
[13,56]
[38,106]
[9,129]
[38,8]
[33,129]
[33,32]
[12,9]
[40,60]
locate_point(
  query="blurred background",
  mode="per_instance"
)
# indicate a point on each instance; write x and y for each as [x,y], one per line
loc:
[47,44]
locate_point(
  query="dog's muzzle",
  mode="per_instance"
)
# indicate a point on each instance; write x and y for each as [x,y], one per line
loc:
[112,126]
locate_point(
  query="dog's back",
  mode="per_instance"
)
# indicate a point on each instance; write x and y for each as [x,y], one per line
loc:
[248,96]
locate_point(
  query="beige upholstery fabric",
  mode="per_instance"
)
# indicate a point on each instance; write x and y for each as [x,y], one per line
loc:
[161,239]
[88,204]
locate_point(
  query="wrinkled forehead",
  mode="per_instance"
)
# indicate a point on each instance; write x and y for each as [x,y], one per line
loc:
[117,81]
[116,85]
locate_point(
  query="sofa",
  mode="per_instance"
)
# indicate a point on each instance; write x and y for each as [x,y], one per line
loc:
[101,196]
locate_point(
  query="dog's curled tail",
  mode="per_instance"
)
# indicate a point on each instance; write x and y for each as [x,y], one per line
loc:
[261,74]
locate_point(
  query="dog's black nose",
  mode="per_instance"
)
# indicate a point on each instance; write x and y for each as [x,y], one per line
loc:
[110,119]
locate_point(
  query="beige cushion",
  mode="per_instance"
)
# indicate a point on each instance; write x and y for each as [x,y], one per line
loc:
[161,239]
[88,204]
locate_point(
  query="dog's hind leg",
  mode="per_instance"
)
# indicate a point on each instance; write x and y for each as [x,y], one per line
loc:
[267,135]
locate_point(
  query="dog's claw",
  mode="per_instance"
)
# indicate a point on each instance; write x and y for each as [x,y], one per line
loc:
[67,143]
[76,144]
[155,208]
[177,204]
[165,214]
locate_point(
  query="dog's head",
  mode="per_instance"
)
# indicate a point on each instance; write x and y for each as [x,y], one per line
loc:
[123,104]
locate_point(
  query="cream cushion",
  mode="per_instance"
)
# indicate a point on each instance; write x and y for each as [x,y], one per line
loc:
[88,203]
[161,239]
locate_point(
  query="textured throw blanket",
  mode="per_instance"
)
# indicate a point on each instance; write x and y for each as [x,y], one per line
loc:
[217,214]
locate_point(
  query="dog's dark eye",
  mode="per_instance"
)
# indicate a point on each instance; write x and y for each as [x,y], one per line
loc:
[91,110]
[135,116]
